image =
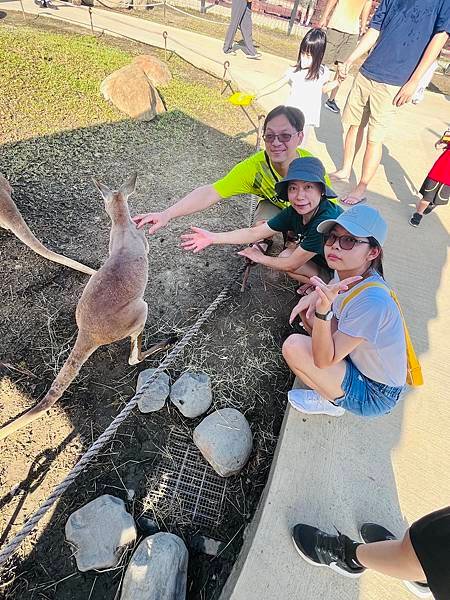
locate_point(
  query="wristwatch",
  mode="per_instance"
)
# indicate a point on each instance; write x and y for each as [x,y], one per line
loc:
[326,317]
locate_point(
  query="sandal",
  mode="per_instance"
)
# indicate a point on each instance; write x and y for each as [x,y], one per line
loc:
[357,198]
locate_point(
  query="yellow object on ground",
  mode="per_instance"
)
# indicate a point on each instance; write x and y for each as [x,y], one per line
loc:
[241,99]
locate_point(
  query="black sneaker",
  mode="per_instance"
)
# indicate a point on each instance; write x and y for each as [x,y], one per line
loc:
[415,219]
[331,105]
[370,533]
[323,550]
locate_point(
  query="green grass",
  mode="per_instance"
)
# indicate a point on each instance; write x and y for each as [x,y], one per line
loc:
[51,80]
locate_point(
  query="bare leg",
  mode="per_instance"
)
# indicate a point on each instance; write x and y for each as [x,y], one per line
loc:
[371,162]
[395,558]
[352,144]
[334,91]
[136,353]
[297,352]
[421,206]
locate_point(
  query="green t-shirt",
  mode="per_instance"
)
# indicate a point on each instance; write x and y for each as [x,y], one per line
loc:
[308,237]
[254,176]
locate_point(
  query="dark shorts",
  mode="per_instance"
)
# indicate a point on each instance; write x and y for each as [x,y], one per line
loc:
[365,397]
[435,192]
[339,46]
[430,537]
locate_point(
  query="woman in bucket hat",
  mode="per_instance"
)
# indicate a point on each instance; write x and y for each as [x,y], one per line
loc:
[306,189]
[355,359]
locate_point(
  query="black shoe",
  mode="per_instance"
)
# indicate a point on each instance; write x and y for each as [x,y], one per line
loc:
[370,533]
[324,550]
[429,209]
[331,105]
[415,219]
[230,51]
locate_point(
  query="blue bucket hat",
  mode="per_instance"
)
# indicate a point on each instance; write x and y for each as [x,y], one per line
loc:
[361,220]
[308,168]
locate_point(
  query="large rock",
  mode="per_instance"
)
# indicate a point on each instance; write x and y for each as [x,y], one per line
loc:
[100,530]
[191,394]
[156,70]
[157,570]
[131,91]
[225,440]
[154,396]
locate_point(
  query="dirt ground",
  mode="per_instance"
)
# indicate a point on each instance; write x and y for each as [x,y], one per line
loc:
[239,347]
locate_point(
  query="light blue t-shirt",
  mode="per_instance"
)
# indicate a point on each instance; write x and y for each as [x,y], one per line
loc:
[374,316]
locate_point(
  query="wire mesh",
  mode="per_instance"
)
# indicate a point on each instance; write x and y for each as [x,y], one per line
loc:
[184,489]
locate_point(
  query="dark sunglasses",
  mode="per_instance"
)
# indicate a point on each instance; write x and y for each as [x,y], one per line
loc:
[282,137]
[346,242]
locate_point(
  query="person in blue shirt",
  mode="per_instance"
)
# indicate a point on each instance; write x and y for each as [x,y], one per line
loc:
[406,36]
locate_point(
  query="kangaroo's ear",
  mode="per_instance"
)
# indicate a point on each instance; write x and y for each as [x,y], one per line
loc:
[103,189]
[128,187]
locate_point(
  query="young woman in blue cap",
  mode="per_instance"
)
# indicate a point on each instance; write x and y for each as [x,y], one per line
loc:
[306,190]
[355,359]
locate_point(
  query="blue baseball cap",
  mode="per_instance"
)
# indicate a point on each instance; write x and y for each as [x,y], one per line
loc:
[361,220]
[308,168]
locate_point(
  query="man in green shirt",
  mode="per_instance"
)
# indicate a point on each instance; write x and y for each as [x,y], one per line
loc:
[258,174]
[306,191]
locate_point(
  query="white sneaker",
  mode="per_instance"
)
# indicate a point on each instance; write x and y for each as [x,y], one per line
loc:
[312,403]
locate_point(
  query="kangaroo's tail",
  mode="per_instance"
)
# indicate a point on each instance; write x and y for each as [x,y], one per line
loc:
[79,355]
[15,223]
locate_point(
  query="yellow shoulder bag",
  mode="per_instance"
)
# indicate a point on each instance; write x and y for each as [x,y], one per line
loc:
[414,375]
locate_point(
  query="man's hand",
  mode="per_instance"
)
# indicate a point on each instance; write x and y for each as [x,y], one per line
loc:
[252,252]
[327,293]
[405,93]
[440,145]
[343,70]
[158,220]
[323,23]
[198,240]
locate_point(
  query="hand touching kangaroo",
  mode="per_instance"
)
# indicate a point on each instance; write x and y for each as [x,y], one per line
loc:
[111,306]
[11,219]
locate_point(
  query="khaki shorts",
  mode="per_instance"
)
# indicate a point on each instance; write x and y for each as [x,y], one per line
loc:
[265,211]
[339,46]
[370,102]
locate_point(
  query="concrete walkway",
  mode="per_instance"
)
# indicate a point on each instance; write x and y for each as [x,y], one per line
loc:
[341,472]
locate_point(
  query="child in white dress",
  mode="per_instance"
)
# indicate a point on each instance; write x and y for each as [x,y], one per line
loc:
[309,78]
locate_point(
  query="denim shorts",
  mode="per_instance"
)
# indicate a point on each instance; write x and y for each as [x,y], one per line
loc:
[364,396]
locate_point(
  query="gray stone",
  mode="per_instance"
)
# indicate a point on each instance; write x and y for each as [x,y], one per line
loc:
[225,440]
[157,570]
[100,530]
[191,394]
[155,396]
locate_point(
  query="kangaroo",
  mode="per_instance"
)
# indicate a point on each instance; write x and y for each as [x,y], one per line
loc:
[11,219]
[111,306]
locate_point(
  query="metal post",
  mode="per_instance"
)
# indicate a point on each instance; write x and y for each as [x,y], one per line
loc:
[226,66]
[292,17]
[203,6]
[90,18]
[165,34]
[23,11]
[259,132]
[164,10]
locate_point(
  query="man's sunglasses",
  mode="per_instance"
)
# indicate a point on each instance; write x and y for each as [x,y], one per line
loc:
[282,137]
[346,242]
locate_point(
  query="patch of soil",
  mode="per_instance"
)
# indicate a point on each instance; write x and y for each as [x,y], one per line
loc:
[239,347]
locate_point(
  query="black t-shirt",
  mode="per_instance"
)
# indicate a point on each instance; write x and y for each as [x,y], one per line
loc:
[309,238]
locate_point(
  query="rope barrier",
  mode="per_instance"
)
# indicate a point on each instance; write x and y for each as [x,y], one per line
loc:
[57,492]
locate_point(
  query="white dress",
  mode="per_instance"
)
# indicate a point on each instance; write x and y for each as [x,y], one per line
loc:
[306,94]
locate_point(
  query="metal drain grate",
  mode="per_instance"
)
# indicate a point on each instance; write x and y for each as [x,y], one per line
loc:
[184,488]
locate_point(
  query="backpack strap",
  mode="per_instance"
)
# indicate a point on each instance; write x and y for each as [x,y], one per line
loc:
[414,372]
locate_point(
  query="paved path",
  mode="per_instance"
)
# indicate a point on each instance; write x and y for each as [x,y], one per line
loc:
[340,472]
